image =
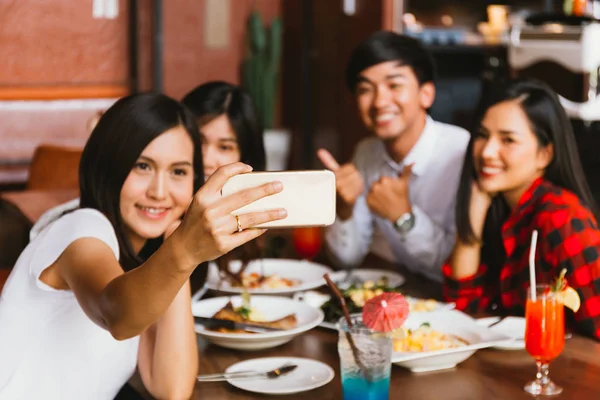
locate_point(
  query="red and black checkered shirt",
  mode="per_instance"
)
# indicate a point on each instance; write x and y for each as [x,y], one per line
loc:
[568,238]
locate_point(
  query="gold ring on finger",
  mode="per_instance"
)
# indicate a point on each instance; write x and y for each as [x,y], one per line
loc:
[239,225]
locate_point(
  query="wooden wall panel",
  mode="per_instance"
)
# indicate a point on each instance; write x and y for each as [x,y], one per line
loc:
[57,45]
[187,61]
[53,50]
[294,113]
[369,18]
[331,107]
[145,26]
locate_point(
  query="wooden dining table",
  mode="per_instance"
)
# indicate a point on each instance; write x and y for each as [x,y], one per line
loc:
[489,374]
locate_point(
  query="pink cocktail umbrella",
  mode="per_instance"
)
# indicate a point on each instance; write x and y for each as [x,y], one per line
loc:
[386,312]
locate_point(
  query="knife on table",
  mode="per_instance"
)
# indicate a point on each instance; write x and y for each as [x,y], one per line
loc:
[215,323]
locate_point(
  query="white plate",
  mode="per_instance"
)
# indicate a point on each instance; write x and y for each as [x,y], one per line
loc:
[452,322]
[329,325]
[513,327]
[361,275]
[310,374]
[438,306]
[309,274]
[316,299]
[272,307]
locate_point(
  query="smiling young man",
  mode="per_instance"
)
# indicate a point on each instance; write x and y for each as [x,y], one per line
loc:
[397,196]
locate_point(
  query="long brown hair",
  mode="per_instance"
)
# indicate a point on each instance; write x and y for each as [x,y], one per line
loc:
[550,125]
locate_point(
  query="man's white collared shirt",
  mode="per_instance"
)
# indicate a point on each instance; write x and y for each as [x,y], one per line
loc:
[437,157]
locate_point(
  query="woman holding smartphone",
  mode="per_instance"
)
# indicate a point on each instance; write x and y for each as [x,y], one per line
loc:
[84,306]
[230,131]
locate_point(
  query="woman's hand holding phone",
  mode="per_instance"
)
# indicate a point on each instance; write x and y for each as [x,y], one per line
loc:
[308,196]
[209,229]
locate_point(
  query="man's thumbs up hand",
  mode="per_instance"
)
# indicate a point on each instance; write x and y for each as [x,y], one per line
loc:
[348,183]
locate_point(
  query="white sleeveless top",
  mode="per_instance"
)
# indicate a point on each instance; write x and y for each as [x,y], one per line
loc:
[49,348]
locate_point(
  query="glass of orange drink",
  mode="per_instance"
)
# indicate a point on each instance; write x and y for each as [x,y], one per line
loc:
[544,336]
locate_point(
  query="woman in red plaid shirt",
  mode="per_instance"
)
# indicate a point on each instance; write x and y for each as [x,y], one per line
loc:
[522,173]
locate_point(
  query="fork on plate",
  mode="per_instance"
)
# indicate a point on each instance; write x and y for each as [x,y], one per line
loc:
[272,374]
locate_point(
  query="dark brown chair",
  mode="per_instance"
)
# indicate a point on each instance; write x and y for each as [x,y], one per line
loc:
[54,167]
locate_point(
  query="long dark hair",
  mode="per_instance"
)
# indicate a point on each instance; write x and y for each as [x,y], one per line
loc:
[550,125]
[116,142]
[207,102]
[213,99]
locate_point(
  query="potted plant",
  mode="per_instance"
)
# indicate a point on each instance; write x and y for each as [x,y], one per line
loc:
[260,75]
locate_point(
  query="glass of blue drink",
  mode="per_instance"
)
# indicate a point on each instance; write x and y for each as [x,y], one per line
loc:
[369,378]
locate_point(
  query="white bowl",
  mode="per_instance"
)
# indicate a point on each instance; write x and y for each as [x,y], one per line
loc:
[361,275]
[317,299]
[309,274]
[272,307]
[451,322]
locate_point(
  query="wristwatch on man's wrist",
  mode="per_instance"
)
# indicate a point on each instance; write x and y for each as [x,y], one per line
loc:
[405,223]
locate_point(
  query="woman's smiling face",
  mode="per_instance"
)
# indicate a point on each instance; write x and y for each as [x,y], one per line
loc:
[159,187]
[506,153]
[219,144]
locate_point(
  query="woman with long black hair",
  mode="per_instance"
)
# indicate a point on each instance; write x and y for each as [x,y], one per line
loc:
[522,173]
[84,305]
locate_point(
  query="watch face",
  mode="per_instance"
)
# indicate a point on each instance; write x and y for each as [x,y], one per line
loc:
[405,223]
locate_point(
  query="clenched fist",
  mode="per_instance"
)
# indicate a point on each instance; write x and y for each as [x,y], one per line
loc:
[348,183]
[388,197]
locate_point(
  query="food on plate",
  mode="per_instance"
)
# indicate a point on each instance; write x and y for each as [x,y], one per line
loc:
[254,280]
[246,314]
[422,305]
[425,338]
[356,296]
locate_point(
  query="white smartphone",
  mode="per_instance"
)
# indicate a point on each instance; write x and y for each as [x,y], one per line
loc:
[308,196]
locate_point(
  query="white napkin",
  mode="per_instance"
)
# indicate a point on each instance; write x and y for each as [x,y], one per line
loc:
[513,327]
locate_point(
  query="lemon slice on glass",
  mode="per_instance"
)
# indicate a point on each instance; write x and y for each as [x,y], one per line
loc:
[570,298]
[399,334]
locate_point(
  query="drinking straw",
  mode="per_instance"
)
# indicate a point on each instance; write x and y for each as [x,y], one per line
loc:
[340,298]
[355,351]
[532,247]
